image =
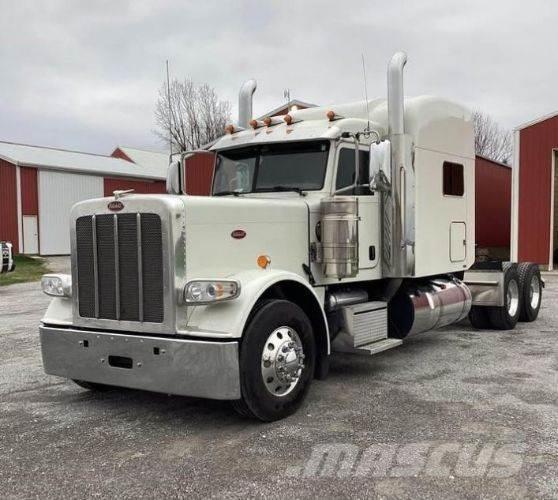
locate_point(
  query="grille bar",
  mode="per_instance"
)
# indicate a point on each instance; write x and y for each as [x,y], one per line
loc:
[140,267]
[120,267]
[95,264]
[116,267]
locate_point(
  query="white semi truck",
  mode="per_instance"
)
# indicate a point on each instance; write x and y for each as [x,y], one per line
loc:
[343,228]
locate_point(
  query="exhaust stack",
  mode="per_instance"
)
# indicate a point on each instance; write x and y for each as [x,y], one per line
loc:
[399,224]
[245,97]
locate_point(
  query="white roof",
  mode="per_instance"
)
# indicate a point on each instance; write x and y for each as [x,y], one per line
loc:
[145,158]
[536,120]
[75,161]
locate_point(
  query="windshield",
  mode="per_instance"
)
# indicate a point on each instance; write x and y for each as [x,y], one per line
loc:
[273,167]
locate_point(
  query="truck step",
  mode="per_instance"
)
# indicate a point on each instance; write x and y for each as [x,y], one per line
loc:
[342,343]
[379,346]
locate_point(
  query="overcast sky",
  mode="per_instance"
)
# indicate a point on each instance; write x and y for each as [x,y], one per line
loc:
[85,74]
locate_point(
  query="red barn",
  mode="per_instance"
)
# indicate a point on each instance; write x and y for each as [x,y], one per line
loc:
[534,212]
[493,185]
[39,185]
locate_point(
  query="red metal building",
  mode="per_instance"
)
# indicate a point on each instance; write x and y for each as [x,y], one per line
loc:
[493,185]
[534,214]
[39,185]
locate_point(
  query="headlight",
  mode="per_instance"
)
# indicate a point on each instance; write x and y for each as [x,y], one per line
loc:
[57,285]
[206,291]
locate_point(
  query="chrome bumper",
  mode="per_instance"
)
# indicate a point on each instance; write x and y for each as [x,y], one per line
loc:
[173,366]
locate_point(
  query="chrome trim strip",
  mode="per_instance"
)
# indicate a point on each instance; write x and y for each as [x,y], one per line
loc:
[116,269]
[95,264]
[140,268]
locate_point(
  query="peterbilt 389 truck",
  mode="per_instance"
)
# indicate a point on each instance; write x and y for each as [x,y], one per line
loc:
[343,228]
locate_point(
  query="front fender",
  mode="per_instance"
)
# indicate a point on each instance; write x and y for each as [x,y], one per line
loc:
[228,319]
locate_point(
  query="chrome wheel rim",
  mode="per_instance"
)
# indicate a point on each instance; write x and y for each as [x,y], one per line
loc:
[513,298]
[282,361]
[534,292]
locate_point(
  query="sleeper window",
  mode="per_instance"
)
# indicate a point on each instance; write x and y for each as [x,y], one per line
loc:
[453,179]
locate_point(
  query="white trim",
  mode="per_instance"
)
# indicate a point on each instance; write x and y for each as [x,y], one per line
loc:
[536,120]
[551,238]
[19,211]
[514,226]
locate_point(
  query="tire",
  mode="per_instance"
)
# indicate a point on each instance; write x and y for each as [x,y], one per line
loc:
[93,386]
[478,316]
[276,327]
[506,316]
[530,287]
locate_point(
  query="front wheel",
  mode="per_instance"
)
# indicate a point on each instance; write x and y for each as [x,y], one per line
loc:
[277,358]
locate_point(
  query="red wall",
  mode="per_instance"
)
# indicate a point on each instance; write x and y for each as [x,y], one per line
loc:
[8,204]
[493,183]
[149,187]
[118,153]
[29,197]
[535,156]
[199,174]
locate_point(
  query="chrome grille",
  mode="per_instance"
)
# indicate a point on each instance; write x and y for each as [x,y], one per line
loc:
[120,267]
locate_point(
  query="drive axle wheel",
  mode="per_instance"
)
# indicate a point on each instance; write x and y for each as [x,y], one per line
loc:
[506,316]
[277,358]
[530,291]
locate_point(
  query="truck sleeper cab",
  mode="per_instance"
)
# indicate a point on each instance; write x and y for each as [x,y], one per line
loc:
[339,229]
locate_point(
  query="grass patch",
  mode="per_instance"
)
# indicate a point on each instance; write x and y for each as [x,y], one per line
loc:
[27,269]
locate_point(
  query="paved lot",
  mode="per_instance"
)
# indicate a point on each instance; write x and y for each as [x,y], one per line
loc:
[457,413]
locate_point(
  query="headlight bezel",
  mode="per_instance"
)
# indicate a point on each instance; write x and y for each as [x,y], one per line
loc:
[210,291]
[57,285]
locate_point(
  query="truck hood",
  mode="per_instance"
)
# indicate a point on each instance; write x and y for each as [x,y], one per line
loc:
[225,235]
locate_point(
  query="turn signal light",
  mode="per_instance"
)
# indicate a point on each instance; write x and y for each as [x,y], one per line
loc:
[263,261]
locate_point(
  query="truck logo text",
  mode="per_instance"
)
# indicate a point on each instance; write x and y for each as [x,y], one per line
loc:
[115,206]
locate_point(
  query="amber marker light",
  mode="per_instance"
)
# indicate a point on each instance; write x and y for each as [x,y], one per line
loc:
[267,121]
[330,115]
[254,124]
[229,129]
[263,261]
[288,119]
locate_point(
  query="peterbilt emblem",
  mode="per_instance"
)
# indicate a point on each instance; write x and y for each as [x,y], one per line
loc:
[115,206]
[238,234]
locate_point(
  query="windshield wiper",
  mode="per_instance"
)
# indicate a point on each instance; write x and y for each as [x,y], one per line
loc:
[226,193]
[282,189]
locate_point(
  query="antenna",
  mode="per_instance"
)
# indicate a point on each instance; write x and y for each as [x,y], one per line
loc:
[287,94]
[366,94]
[170,113]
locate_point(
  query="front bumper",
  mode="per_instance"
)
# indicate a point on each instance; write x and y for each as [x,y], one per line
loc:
[196,368]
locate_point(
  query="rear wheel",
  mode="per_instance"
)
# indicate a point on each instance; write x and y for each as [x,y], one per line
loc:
[478,316]
[530,290]
[277,358]
[506,316]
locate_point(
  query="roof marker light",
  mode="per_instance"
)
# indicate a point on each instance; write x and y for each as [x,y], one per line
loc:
[254,124]
[288,119]
[229,129]
[267,121]
[330,115]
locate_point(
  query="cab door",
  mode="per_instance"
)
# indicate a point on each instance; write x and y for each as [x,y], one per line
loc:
[368,203]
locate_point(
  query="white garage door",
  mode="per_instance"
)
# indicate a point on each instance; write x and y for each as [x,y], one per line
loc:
[58,192]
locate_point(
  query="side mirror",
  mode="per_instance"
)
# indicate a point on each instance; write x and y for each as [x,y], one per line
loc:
[174,181]
[380,161]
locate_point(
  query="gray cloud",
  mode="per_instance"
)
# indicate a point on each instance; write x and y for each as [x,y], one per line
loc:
[85,75]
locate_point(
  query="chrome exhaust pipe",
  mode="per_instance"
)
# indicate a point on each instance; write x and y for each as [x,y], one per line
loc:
[399,226]
[245,98]
[396,105]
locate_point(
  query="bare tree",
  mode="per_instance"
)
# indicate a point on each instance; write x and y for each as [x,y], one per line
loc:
[189,116]
[491,140]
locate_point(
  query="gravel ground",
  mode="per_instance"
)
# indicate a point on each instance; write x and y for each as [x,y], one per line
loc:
[452,413]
